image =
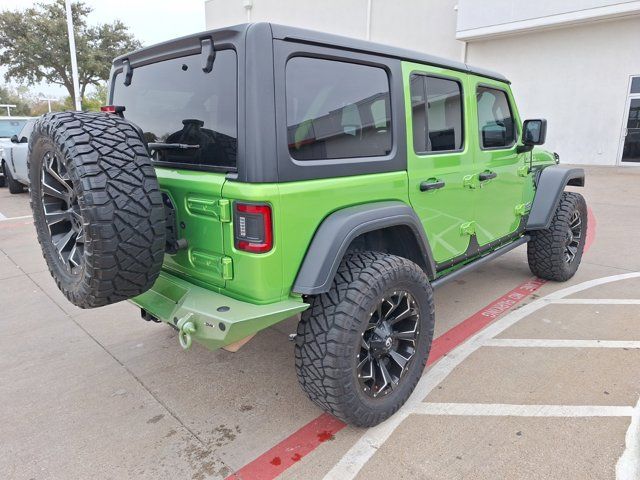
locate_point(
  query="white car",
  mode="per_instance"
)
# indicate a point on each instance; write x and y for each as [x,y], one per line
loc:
[15,151]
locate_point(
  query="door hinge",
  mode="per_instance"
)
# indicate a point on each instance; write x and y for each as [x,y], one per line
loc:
[470,181]
[227,268]
[224,210]
[523,170]
[468,228]
[522,209]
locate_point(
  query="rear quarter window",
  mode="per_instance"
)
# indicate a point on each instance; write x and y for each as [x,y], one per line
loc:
[337,110]
[174,101]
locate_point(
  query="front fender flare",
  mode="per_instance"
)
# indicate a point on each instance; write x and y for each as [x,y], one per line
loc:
[551,183]
[338,230]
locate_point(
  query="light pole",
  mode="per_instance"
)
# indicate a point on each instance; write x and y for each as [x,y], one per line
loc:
[48,100]
[8,107]
[74,61]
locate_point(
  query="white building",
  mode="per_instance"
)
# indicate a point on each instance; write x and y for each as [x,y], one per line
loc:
[574,62]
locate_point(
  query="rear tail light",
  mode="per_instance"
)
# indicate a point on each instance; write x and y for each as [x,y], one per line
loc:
[117,109]
[253,230]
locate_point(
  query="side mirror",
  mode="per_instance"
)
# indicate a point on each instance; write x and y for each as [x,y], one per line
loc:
[24,140]
[534,132]
[14,139]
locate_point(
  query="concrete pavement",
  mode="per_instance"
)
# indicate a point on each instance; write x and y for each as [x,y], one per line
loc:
[101,393]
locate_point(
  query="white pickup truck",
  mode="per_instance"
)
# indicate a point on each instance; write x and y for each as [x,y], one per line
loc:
[14,138]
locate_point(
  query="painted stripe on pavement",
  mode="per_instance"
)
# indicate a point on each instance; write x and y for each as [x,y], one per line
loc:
[557,343]
[509,410]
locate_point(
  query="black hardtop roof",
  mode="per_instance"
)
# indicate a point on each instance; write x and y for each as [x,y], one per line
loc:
[284,32]
[190,43]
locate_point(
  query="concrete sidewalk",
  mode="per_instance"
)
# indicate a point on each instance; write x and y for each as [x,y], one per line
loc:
[101,393]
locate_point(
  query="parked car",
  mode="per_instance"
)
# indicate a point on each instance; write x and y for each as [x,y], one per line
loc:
[243,175]
[9,126]
[14,161]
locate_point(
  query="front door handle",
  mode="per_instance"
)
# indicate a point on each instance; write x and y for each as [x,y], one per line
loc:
[484,176]
[431,184]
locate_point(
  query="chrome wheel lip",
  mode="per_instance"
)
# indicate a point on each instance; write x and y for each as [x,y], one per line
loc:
[61,211]
[388,344]
[574,237]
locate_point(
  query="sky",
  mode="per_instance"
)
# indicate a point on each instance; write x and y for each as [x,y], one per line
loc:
[151,21]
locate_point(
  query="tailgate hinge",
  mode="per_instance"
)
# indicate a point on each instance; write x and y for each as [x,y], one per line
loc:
[468,228]
[224,210]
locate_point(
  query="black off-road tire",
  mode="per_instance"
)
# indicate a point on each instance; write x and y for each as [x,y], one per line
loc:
[547,249]
[2,176]
[329,336]
[14,185]
[112,192]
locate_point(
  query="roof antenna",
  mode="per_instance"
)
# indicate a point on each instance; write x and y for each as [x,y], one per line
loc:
[208,54]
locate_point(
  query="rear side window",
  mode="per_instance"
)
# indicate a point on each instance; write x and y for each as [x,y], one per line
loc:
[337,110]
[174,101]
[436,105]
[495,120]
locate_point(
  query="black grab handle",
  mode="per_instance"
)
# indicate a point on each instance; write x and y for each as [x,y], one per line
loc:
[487,176]
[426,186]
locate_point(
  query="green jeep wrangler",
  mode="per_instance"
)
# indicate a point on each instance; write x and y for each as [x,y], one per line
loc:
[245,175]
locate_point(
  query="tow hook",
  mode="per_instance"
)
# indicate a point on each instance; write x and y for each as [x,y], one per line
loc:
[186,328]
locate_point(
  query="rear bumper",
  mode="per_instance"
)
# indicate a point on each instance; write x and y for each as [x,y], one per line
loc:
[219,320]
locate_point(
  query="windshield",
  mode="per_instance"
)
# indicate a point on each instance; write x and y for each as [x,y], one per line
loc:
[10,127]
[174,101]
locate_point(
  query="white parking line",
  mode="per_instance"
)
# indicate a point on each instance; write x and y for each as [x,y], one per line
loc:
[508,410]
[595,301]
[554,343]
[8,219]
[360,453]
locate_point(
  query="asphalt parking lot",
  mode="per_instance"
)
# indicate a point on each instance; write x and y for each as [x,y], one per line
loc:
[526,379]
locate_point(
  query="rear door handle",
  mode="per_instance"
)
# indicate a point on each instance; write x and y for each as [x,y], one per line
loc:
[484,176]
[431,185]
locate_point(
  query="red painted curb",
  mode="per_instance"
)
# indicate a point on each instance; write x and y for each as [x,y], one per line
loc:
[289,451]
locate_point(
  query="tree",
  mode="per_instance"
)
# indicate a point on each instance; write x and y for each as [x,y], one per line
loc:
[34,45]
[17,98]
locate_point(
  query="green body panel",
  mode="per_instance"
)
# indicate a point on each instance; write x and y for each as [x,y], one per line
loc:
[197,200]
[298,210]
[445,211]
[497,200]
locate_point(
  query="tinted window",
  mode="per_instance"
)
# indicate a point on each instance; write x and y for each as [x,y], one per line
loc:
[10,127]
[437,122]
[635,85]
[495,121]
[337,110]
[174,101]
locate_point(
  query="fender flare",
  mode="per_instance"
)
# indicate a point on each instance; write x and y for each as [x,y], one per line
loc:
[338,230]
[550,185]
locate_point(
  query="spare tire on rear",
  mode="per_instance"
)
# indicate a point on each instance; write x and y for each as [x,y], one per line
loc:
[97,206]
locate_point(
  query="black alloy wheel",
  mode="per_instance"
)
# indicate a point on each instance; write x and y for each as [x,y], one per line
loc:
[388,344]
[62,212]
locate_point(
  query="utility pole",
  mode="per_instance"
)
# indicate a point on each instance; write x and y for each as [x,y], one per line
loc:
[8,107]
[48,100]
[74,61]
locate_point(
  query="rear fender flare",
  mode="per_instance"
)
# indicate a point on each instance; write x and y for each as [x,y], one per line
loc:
[338,230]
[550,185]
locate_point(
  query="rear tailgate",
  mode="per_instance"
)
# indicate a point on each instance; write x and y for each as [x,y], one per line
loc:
[200,213]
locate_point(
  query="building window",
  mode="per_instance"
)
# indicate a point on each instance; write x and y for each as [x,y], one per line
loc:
[635,85]
[495,120]
[437,122]
[337,110]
